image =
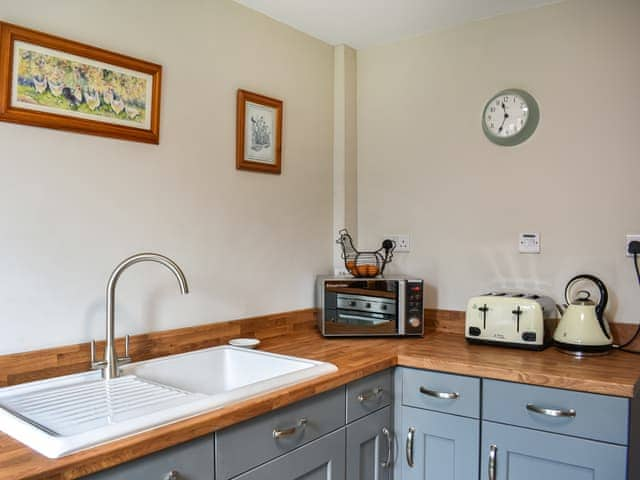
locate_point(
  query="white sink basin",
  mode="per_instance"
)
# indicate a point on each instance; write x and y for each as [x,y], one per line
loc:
[60,416]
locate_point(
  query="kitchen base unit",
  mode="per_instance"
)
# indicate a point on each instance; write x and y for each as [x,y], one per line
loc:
[516,453]
[370,447]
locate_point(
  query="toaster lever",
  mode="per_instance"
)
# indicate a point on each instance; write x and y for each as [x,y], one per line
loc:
[484,309]
[517,312]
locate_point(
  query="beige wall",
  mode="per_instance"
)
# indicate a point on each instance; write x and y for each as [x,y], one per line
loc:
[425,167]
[72,206]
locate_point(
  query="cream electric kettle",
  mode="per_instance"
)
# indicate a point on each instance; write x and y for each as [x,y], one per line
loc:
[583,330]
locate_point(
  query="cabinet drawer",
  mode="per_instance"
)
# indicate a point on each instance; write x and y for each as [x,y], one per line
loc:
[251,443]
[442,392]
[368,394]
[599,417]
[192,460]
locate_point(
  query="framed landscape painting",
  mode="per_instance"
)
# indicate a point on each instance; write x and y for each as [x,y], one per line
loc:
[48,81]
[258,133]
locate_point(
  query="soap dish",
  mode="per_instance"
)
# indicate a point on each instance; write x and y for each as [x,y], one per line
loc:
[244,342]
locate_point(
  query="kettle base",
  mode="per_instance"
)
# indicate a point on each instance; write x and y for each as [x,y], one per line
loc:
[583,350]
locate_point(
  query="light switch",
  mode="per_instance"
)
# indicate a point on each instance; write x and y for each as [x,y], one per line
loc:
[529,243]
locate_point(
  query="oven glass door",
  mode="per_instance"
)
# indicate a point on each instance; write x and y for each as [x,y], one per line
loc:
[362,307]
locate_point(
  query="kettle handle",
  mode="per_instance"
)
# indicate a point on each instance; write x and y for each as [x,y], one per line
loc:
[604,297]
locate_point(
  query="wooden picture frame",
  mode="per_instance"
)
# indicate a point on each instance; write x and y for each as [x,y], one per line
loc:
[259,143]
[48,81]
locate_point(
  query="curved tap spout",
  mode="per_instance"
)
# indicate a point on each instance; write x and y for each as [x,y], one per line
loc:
[110,356]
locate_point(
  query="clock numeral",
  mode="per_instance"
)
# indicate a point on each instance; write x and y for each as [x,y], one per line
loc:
[493,109]
[505,99]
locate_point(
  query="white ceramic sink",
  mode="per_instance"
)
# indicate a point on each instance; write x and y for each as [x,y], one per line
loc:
[60,416]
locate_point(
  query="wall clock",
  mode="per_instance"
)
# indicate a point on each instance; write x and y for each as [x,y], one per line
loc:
[510,117]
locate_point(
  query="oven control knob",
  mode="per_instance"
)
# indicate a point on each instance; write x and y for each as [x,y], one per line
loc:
[384,307]
[368,305]
[353,304]
[414,322]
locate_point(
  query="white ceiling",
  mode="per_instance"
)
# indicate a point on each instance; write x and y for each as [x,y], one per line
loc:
[363,23]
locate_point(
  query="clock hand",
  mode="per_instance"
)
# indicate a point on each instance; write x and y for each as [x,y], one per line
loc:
[506,115]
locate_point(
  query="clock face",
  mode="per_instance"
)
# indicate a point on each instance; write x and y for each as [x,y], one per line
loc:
[506,115]
[510,117]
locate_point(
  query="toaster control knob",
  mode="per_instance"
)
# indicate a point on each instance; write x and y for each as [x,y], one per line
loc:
[474,331]
[414,322]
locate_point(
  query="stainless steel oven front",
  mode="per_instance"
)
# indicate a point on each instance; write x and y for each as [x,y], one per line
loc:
[391,306]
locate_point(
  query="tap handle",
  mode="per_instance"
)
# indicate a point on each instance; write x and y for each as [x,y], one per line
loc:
[95,364]
[126,358]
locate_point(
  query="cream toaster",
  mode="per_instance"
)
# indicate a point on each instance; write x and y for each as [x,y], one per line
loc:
[511,319]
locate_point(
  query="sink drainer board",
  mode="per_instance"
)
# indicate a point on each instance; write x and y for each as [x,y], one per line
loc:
[63,415]
[74,409]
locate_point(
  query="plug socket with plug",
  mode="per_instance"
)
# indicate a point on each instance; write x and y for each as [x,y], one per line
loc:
[632,245]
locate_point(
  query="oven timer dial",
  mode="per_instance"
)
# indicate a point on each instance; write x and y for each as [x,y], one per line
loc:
[414,322]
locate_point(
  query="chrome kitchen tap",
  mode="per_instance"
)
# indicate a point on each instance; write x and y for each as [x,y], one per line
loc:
[111,360]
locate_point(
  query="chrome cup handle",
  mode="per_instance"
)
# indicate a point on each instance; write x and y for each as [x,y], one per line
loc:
[287,432]
[551,412]
[387,463]
[493,453]
[409,446]
[442,395]
[172,475]
[369,394]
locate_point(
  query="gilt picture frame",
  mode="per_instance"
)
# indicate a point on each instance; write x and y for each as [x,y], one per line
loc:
[258,133]
[48,81]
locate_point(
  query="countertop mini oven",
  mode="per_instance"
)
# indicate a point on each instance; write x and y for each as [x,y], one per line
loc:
[391,306]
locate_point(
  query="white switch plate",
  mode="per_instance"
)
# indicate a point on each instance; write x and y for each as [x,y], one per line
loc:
[630,238]
[403,243]
[529,243]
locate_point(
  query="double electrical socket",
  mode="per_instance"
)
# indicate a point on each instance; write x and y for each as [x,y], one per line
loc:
[630,238]
[403,243]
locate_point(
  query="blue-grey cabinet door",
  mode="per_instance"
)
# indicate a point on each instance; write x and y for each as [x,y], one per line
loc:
[438,446]
[321,459]
[369,447]
[524,454]
[189,461]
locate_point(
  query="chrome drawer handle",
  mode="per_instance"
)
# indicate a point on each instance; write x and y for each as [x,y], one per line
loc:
[442,395]
[387,463]
[369,394]
[287,432]
[551,412]
[172,475]
[493,453]
[409,446]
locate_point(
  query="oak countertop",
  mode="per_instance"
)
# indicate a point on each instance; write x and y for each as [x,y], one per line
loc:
[615,374]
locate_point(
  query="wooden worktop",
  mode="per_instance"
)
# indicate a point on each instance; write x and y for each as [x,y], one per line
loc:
[615,374]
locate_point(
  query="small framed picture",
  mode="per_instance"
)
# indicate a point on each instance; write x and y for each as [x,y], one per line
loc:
[258,133]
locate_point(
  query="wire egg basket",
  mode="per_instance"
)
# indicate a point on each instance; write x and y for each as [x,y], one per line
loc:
[366,264]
